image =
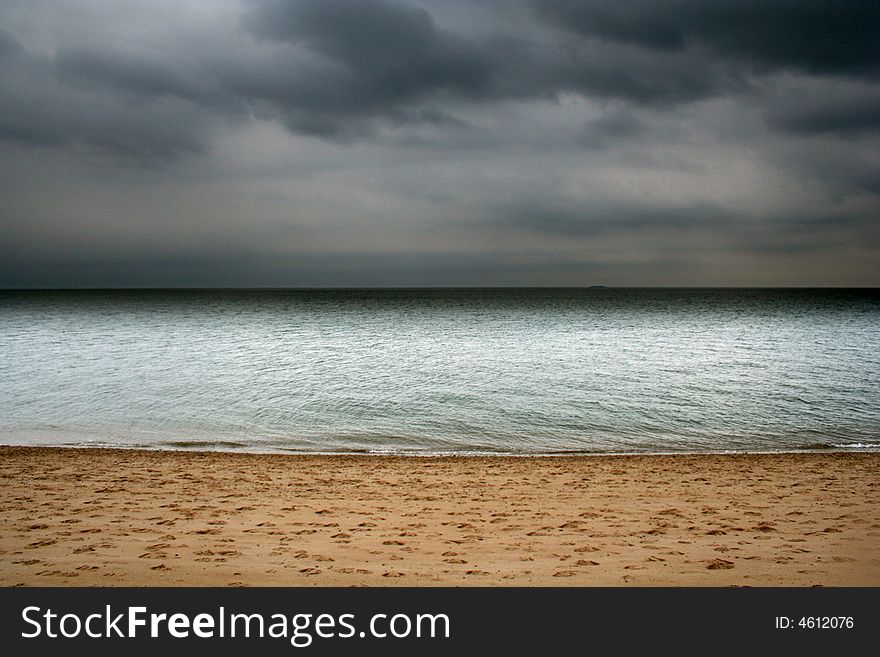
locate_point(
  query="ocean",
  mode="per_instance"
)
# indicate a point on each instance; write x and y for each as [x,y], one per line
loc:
[443,371]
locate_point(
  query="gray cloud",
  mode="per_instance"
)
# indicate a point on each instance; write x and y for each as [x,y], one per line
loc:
[9,45]
[828,112]
[590,220]
[344,69]
[387,52]
[819,36]
[244,269]
[428,142]
[40,108]
[384,59]
[610,128]
[141,76]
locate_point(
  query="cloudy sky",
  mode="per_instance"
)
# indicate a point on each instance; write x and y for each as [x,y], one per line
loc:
[439,142]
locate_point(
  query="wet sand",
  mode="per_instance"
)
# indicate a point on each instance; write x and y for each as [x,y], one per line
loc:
[92,517]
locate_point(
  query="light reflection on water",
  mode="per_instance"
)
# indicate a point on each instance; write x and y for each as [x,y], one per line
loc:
[521,371]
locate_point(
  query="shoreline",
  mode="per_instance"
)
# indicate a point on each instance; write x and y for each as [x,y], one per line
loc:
[91,516]
[858,448]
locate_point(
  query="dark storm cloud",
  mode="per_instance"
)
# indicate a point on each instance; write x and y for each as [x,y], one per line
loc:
[820,36]
[388,52]
[342,69]
[636,75]
[352,62]
[837,114]
[386,59]
[438,142]
[132,74]
[331,69]
[42,108]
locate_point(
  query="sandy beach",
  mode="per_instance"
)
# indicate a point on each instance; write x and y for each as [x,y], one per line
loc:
[92,517]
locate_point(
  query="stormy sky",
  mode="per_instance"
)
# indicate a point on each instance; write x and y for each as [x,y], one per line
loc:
[166,143]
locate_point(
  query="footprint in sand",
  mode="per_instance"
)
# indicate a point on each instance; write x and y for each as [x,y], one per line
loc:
[58,573]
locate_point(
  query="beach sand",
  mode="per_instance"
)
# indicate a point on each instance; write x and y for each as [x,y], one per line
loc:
[86,517]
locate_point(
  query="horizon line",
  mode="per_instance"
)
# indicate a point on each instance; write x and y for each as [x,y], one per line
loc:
[184,288]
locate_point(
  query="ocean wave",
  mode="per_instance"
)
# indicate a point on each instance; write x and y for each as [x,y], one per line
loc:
[835,446]
[205,444]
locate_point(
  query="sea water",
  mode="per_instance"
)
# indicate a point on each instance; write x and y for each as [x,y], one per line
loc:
[516,371]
